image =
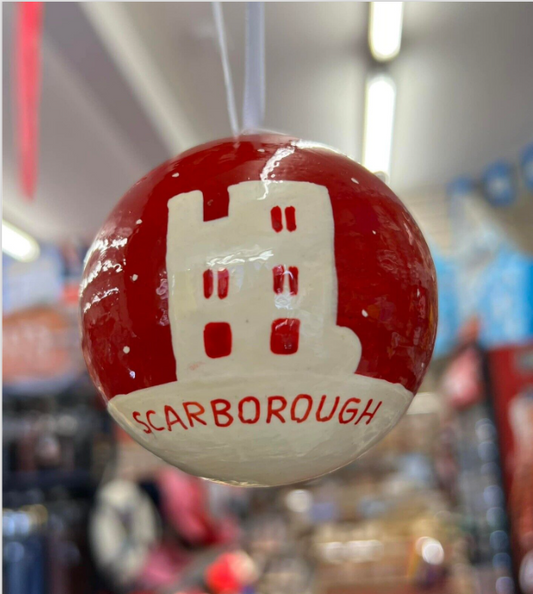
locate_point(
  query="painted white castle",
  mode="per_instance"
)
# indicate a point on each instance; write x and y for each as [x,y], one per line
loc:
[255,293]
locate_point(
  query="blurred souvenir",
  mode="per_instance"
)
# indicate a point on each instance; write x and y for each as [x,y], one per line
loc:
[39,353]
[124,527]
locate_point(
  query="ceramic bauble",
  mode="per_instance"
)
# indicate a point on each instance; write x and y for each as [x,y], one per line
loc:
[259,310]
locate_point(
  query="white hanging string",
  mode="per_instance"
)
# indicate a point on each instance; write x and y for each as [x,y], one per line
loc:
[228,81]
[253,109]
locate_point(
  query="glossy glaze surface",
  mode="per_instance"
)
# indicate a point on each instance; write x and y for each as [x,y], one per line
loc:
[386,279]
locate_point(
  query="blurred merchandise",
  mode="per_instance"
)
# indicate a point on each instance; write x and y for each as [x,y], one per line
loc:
[480,488]
[511,371]
[123,528]
[45,549]
[40,351]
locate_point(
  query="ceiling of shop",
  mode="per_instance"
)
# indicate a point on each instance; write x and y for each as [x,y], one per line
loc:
[125,86]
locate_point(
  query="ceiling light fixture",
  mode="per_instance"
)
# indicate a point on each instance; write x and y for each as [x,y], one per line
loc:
[385,30]
[17,244]
[379,123]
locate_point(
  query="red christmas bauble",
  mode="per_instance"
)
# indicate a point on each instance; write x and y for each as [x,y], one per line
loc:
[259,310]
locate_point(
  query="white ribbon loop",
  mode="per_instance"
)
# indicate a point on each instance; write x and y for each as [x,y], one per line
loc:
[228,81]
[253,110]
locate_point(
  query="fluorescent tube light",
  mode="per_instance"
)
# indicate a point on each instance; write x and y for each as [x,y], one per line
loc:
[19,245]
[379,123]
[385,30]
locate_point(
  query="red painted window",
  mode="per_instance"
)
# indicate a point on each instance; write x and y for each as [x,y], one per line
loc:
[277,218]
[277,222]
[278,273]
[217,339]
[290,215]
[223,283]
[293,280]
[208,283]
[285,336]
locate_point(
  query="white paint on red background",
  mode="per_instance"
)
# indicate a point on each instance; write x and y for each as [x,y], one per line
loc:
[267,392]
[270,225]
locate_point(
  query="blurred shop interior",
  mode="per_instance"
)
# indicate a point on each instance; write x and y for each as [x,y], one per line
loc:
[438,97]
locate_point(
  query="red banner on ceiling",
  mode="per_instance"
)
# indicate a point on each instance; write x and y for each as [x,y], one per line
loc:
[28,75]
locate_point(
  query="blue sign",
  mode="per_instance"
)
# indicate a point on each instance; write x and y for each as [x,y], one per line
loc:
[506,304]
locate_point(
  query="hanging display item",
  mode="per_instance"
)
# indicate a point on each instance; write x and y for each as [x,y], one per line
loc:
[259,310]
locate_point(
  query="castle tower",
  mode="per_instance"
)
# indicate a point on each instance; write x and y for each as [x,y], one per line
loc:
[255,293]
